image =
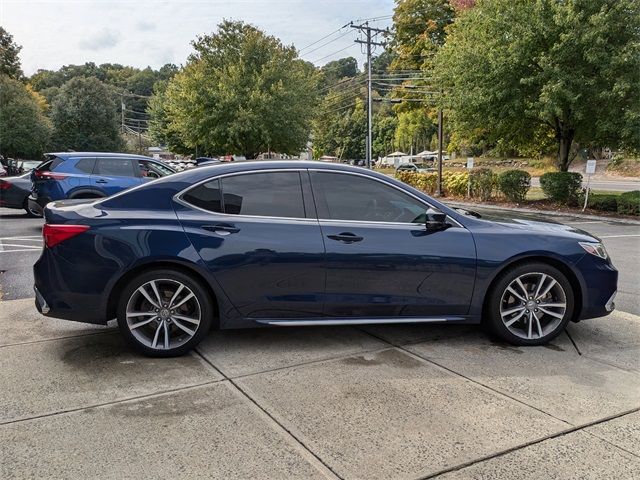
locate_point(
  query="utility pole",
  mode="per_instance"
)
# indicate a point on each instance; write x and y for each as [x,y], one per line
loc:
[368,31]
[122,108]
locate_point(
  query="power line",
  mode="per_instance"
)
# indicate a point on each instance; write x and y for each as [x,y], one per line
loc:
[332,54]
[327,43]
[321,39]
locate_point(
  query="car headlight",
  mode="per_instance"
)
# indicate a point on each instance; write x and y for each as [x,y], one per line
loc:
[596,249]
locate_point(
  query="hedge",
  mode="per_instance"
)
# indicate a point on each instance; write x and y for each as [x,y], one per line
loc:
[562,187]
[606,203]
[483,181]
[514,184]
[629,203]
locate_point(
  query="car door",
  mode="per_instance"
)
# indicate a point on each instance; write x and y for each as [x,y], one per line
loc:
[258,234]
[381,260]
[114,174]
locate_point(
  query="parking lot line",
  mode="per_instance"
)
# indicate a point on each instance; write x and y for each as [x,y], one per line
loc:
[620,236]
[20,250]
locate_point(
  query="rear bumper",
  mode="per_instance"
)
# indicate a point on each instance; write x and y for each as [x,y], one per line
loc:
[38,204]
[66,294]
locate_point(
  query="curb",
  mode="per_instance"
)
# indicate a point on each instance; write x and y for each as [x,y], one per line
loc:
[543,212]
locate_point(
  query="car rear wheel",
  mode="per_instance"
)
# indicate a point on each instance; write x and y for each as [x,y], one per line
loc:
[530,304]
[164,313]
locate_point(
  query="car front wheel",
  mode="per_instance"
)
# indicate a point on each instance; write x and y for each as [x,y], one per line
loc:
[164,313]
[530,304]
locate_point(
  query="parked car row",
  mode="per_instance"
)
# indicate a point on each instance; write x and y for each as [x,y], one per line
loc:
[76,175]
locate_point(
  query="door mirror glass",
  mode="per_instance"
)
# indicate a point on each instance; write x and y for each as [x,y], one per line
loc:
[435,219]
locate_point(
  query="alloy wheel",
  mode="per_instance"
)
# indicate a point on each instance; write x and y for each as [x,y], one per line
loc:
[533,305]
[163,314]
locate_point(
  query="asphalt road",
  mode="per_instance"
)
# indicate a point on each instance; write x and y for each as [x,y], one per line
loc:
[601,184]
[20,243]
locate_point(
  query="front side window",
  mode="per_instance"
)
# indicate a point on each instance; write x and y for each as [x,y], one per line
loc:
[352,197]
[115,167]
[268,194]
[153,169]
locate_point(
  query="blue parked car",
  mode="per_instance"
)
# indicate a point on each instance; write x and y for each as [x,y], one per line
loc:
[90,175]
[303,243]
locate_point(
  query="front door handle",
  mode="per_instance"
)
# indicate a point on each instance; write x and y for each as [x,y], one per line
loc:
[346,237]
[221,228]
[102,180]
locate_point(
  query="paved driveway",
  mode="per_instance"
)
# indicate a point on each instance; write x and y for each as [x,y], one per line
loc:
[400,401]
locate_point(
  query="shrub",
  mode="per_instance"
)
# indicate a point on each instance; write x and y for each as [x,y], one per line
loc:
[483,181]
[514,184]
[562,187]
[629,203]
[455,183]
[606,203]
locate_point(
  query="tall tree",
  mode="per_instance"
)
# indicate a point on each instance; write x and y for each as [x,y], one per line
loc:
[9,60]
[24,129]
[242,92]
[514,70]
[419,30]
[85,116]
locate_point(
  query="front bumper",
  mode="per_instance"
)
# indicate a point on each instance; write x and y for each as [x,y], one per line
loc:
[600,285]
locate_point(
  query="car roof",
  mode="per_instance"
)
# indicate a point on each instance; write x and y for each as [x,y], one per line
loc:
[66,155]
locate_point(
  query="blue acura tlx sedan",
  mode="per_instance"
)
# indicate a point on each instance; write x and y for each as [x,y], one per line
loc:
[303,243]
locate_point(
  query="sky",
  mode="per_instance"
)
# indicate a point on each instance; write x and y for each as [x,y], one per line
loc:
[143,33]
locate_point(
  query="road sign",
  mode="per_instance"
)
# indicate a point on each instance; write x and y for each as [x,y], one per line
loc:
[590,170]
[469,163]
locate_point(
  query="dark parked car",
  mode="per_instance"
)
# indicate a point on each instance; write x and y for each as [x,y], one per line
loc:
[14,193]
[303,243]
[90,175]
[417,168]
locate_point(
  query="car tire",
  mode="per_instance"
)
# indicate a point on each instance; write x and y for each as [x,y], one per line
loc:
[30,211]
[175,312]
[529,304]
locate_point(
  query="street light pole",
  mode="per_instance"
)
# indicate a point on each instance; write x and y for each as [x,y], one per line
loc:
[439,189]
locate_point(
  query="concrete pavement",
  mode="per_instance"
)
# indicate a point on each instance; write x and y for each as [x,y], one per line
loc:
[396,401]
[399,401]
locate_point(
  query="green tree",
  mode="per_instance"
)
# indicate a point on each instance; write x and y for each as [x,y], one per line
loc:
[332,72]
[419,30]
[160,128]
[9,60]
[242,92]
[383,132]
[24,129]
[85,116]
[515,70]
[414,131]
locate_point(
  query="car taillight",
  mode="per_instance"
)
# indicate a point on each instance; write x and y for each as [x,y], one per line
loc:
[45,175]
[4,185]
[54,234]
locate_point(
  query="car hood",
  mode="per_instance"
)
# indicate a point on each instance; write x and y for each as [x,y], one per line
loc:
[535,225]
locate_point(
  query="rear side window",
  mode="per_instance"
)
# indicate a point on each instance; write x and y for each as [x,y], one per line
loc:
[272,194]
[86,165]
[206,196]
[50,165]
[116,167]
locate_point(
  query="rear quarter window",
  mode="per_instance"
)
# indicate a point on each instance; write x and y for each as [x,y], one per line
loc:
[86,165]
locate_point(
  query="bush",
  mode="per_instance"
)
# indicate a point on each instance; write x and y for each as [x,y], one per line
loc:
[483,181]
[629,203]
[606,203]
[514,184]
[455,183]
[562,187]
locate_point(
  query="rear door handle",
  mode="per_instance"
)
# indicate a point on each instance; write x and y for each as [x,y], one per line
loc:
[346,237]
[221,228]
[102,180]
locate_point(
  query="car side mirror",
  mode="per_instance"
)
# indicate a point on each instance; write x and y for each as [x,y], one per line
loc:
[435,219]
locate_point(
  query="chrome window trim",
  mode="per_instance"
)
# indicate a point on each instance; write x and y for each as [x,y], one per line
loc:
[178,198]
[384,182]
